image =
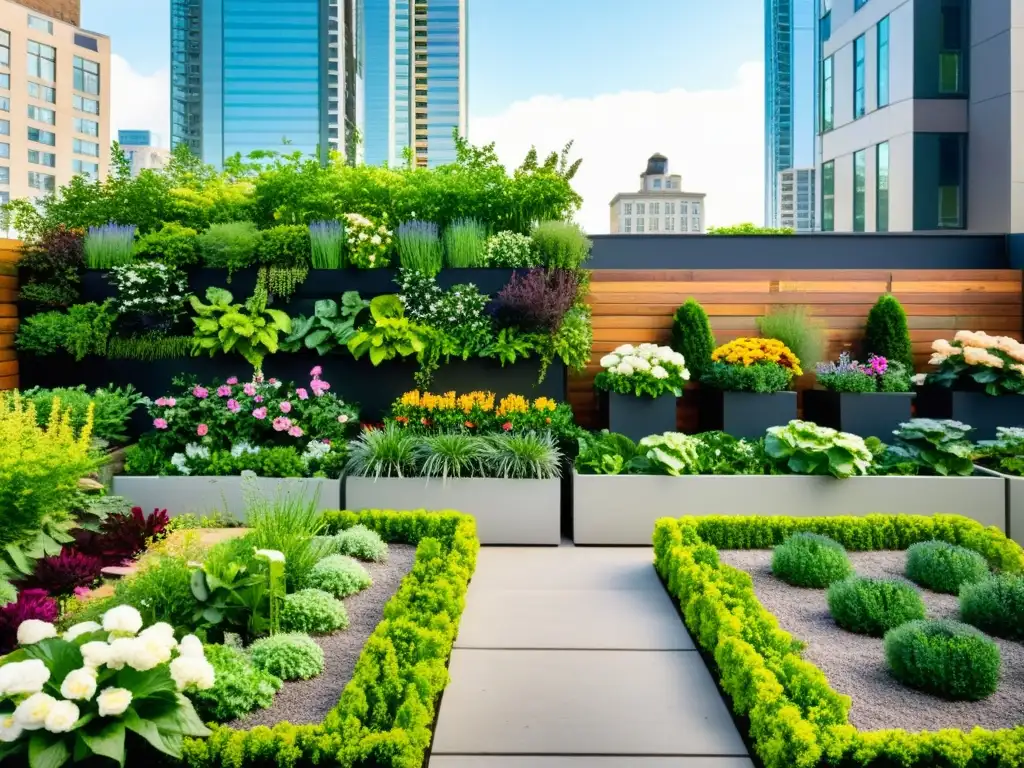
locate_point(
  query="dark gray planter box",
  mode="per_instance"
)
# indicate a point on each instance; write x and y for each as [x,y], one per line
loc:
[981,411]
[745,414]
[637,417]
[868,414]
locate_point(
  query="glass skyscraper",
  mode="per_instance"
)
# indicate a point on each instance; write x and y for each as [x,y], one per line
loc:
[789,95]
[252,75]
[416,84]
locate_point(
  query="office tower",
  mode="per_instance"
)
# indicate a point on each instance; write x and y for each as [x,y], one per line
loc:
[54,102]
[416,81]
[661,207]
[796,199]
[789,95]
[252,75]
[141,150]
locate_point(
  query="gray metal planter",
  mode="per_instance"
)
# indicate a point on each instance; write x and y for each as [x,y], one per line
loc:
[1014,503]
[868,414]
[637,417]
[981,411]
[622,509]
[745,414]
[506,511]
[223,495]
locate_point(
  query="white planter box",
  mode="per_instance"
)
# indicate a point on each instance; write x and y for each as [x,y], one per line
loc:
[622,509]
[506,511]
[226,495]
[1014,503]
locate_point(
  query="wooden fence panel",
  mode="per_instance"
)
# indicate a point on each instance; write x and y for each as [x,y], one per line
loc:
[10,252]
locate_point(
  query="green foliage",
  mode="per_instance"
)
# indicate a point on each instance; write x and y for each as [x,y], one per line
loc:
[886,333]
[758,377]
[390,333]
[804,448]
[291,656]
[331,325]
[560,244]
[339,575]
[312,611]
[574,339]
[230,246]
[1005,453]
[944,567]
[606,453]
[249,330]
[420,247]
[112,408]
[465,243]
[510,250]
[288,524]
[240,686]
[172,244]
[387,452]
[795,327]
[360,542]
[286,245]
[748,228]
[873,606]
[83,330]
[231,593]
[995,605]
[327,241]
[933,447]
[810,560]
[722,454]
[692,336]
[510,345]
[671,453]
[109,245]
[149,348]
[709,453]
[946,658]
[452,454]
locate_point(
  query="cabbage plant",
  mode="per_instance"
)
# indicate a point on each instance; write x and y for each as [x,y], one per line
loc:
[804,448]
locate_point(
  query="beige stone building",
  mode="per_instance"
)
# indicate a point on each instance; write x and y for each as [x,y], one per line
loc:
[54,99]
[661,207]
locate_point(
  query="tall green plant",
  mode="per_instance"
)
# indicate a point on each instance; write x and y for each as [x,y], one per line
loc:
[886,333]
[692,336]
[289,524]
[419,247]
[109,245]
[327,240]
[229,246]
[465,244]
[561,244]
[797,329]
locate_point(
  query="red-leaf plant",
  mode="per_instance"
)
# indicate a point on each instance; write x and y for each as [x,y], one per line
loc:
[60,575]
[31,604]
[123,536]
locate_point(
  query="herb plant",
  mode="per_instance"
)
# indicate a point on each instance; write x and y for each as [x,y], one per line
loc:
[943,567]
[995,605]
[873,606]
[465,244]
[292,656]
[312,611]
[229,246]
[810,560]
[561,244]
[946,658]
[174,245]
[362,543]
[327,243]
[109,245]
[510,250]
[239,688]
[419,247]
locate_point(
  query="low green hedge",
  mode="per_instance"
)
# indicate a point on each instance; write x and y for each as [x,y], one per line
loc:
[385,714]
[796,719]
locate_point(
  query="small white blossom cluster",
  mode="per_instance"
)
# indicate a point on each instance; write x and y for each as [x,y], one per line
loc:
[149,287]
[316,449]
[509,250]
[192,451]
[368,244]
[659,362]
[243,447]
[126,645]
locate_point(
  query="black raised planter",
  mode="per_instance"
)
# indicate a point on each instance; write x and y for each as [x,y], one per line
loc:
[97,286]
[637,417]
[868,414]
[745,414]
[981,411]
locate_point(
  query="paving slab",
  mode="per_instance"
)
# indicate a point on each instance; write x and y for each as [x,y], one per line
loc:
[590,761]
[633,703]
[640,619]
[566,568]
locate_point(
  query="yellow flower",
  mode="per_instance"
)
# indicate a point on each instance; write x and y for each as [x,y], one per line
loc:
[748,351]
[411,399]
[512,404]
[544,404]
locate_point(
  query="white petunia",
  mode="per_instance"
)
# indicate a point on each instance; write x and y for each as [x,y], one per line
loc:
[191,646]
[113,701]
[624,369]
[190,671]
[9,728]
[62,717]
[659,373]
[79,685]
[82,628]
[31,713]
[96,653]
[625,349]
[21,677]
[122,618]
[32,631]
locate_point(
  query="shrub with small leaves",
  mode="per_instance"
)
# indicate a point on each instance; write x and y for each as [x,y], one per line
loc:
[292,656]
[873,606]
[313,611]
[945,658]
[362,543]
[240,686]
[943,567]
[995,605]
[810,560]
[340,575]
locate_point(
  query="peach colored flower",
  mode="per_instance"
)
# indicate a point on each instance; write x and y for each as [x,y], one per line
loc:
[975,356]
[943,347]
[1019,368]
[937,359]
[978,339]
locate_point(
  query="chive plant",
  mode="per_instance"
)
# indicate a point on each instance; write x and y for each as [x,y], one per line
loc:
[327,239]
[419,247]
[109,245]
[465,243]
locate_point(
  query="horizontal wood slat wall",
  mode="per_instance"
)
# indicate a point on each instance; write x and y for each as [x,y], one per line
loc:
[10,252]
[634,306]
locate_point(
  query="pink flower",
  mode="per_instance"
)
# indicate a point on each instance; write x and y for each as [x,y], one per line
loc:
[234,406]
[201,392]
[160,423]
[272,380]
[82,591]
[303,394]
[223,391]
[249,389]
[295,431]
[343,419]
[233,380]
[281,423]
[258,398]
[317,370]
[161,401]
[168,402]
[202,429]
[285,407]
[260,413]
[319,387]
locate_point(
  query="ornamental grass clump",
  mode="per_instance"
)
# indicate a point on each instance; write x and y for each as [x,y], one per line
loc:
[977,361]
[945,658]
[291,656]
[752,365]
[339,575]
[646,370]
[561,244]
[810,560]
[465,243]
[419,247]
[526,456]
[873,606]
[804,448]
[795,328]
[109,245]
[327,243]
[877,375]
[943,567]
[995,605]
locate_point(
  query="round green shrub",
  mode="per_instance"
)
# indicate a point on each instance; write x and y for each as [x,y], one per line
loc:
[943,567]
[810,560]
[886,333]
[995,605]
[873,606]
[292,656]
[692,336]
[362,543]
[340,575]
[240,686]
[312,611]
[946,658]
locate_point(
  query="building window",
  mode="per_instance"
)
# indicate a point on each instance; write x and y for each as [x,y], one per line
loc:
[670,223]
[87,76]
[42,61]
[43,181]
[652,224]
[43,137]
[883,62]
[657,183]
[639,225]
[5,149]
[670,209]
[629,224]
[858,76]
[683,209]
[84,41]
[5,104]
[5,81]
[82,147]
[5,48]
[858,4]
[827,96]
[5,175]
[828,196]
[85,168]
[695,209]
[43,25]
[628,208]
[42,114]
[683,222]
[882,187]
[860,170]
[695,224]
[5,127]
[42,92]
[42,158]
[640,209]
[83,104]
[951,176]
[655,208]
[951,60]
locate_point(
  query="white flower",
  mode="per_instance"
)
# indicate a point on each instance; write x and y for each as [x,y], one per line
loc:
[918,379]
[610,361]
[647,347]
[161,632]
[31,713]
[625,349]
[123,618]
[624,369]
[271,554]
[659,373]
[82,628]
[79,685]
[32,631]
[95,653]
[121,649]
[145,654]
[9,728]
[685,375]
[343,419]
[113,701]
[641,365]
[375,239]
[22,677]
[62,717]
[188,671]
[362,235]
[191,646]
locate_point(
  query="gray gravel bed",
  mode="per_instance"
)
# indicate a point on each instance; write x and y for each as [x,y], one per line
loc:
[855,664]
[309,701]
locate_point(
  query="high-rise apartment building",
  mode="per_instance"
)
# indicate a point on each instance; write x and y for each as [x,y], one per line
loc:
[251,75]
[918,125]
[661,207]
[69,11]
[796,199]
[141,150]
[789,103]
[416,80]
[54,102]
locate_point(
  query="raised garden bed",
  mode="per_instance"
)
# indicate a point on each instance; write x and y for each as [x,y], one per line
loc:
[1014,503]
[622,509]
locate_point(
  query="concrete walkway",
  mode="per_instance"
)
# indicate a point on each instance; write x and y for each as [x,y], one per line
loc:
[576,658]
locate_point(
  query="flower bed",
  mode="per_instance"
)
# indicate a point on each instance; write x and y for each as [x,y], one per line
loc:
[796,719]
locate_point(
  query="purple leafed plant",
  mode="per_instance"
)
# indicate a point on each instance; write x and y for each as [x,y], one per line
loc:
[60,575]
[537,300]
[31,604]
[123,536]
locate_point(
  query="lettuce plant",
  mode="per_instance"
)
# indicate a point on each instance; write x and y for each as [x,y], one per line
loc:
[671,453]
[804,448]
[933,446]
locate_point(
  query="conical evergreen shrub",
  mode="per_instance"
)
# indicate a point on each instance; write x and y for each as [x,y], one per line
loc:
[692,337]
[886,333]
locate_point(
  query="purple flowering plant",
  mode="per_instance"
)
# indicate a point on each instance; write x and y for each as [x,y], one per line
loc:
[877,375]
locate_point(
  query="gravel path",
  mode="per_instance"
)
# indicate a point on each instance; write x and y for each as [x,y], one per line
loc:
[309,701]
[855,664]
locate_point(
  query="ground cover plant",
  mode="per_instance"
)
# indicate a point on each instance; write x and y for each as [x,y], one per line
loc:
[944,567]
[873,606]
[810,560]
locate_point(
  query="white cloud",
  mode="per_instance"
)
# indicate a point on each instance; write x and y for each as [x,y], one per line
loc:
[140,101]
[713,138]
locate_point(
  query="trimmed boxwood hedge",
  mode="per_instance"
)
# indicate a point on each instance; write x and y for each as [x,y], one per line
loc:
[386,712]
[796,719]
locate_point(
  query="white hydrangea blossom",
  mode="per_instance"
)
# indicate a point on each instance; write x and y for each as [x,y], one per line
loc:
[656,362]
